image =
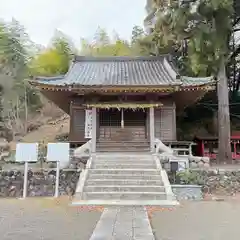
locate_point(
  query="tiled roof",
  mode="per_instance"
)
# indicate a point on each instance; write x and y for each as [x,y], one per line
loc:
[123,71]
[117,71]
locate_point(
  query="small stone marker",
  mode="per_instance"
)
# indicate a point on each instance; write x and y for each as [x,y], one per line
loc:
[26,152]
[59,153]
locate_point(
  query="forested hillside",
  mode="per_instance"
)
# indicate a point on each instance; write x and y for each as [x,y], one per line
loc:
[24,109]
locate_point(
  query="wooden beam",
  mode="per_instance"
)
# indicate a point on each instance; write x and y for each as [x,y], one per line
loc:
[94,129]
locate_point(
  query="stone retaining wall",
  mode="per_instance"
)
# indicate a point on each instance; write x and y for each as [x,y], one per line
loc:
[212,181]
[188,192]
[40,183]
[199,162]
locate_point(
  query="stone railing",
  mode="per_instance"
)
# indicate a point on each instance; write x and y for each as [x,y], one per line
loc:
[167,154]
[84,150]
[164,176]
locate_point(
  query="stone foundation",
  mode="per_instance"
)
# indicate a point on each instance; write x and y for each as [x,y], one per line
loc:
[199,162]
[211,181]
[40,183]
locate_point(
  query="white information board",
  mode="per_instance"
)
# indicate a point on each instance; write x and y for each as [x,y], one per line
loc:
[27,152]
[58,152]
[88,123]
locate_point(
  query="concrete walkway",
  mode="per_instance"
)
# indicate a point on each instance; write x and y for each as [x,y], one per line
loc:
[123,223]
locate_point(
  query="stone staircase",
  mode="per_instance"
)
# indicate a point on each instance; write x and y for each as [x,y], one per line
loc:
[117,178]
[123,146]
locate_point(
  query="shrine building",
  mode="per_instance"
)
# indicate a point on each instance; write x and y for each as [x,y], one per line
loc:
[126,101]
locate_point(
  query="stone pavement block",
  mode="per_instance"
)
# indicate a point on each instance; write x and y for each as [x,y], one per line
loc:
[123,223]
[121,238]
[143,237]
[139,223]
[127,227]
[105,226]
[122,234]
[142,234]
[103,237]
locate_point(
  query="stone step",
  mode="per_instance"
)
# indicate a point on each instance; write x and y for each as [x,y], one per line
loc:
[125,171]
[123,166]
[77,201]
[110,181]
[137,143]
[141,140]
[120,158]
[127,188]
[123,162]
[124,196]
[122,149]
[113,162]
[122,154]
[136,140]
[122,177]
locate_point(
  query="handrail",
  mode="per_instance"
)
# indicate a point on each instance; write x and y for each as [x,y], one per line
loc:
[81,182]
[167,185]
[161,146]
[80,151]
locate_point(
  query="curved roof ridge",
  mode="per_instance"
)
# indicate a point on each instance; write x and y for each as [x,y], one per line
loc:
[78,58]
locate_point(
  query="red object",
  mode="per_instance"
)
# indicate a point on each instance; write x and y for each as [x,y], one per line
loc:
[208,146]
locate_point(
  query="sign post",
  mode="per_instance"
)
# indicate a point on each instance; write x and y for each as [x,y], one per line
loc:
[25,181]
[25,153]
[57,180]
[58,153]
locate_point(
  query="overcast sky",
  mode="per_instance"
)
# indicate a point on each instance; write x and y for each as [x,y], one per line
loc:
[76,18]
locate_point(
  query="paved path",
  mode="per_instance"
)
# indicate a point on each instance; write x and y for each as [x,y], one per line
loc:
[123,223]
[198,221]
[43,219]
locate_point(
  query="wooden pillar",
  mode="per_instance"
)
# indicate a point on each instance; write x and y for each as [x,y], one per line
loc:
[174,122]
[235,150]
[152,129]
[122,118]
[94,129]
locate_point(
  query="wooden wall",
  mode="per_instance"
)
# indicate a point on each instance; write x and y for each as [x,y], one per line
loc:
[165,122]
[77,125]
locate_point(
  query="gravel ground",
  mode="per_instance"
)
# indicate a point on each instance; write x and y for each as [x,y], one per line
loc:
[45,219]
[198,221]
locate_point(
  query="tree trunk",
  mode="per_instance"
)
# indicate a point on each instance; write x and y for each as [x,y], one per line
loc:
[215,123]
[224,141]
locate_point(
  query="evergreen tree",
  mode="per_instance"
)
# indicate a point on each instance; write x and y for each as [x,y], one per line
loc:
[207,26]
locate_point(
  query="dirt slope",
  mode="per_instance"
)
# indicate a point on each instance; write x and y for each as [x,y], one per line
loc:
[49,131]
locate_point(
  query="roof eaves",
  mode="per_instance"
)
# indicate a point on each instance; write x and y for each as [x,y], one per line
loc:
[55,78]
[188,81]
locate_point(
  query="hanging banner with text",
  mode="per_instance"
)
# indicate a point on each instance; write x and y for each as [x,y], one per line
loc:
[88,123]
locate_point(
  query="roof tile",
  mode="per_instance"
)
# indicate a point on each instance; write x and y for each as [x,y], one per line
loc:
[123,71]
[118,71]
